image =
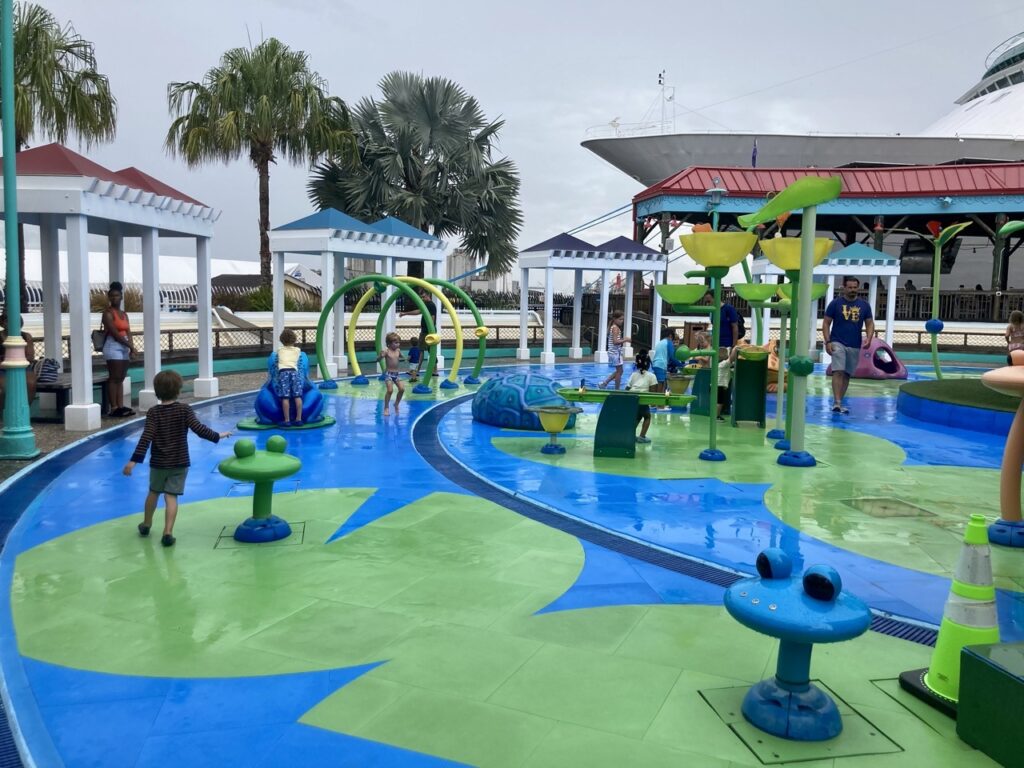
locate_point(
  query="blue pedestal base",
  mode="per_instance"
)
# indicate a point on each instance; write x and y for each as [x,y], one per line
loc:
[796,459]
[775,434]
[328,384]
[446,384]
[1007,533]
[422,389]
[782,445]
[253,531]
[711,454]
[471,380]
[809,715]
[552,448]
[360,381]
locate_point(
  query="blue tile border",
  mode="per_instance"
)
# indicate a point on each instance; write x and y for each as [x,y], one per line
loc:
[951,415]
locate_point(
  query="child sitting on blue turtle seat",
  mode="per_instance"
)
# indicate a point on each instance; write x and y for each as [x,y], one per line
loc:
[289,378]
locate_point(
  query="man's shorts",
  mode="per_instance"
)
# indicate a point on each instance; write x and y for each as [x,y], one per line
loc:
[170,481]
[844,358]
[642,412]
[660,374]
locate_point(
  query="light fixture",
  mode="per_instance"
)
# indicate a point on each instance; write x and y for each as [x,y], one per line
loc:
[716,193]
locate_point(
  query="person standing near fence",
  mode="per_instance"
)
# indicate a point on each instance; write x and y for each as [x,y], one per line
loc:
[118,349]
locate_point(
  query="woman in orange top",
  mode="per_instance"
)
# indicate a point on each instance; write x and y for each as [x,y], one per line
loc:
[118,349]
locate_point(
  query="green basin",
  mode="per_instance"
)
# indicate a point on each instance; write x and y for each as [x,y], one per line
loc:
[683,294]
[753,353]
[817,290]
[645,398]
[754,291]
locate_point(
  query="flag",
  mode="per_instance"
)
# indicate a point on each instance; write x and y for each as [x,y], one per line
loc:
[753,155]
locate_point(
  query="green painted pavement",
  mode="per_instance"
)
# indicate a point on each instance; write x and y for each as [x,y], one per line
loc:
[444,591]
[860,497]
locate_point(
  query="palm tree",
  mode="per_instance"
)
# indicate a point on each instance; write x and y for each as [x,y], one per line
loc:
[425,156]
[57,90]
[258,102]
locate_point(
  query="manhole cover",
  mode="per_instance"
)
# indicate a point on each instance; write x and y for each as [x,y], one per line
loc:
[859,736]
[226,540]
[887,507]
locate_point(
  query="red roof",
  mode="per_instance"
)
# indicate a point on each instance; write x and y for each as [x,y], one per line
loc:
[57,160]
[908,181]
[142,180]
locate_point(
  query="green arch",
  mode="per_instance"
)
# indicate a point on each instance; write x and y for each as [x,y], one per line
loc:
[355,283]
[461,294]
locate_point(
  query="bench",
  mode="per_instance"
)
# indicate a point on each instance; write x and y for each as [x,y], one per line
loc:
[61,390]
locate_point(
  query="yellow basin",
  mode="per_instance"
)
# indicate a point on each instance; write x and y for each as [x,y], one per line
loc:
[554,421]
[784,252]
[718,249]
[679,385]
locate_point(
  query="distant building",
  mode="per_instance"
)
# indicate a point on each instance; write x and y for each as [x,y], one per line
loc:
[460,262]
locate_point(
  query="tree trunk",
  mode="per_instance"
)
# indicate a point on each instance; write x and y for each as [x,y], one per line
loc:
[263,168]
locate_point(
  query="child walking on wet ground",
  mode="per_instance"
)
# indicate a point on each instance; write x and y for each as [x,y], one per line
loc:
[641,381]
[166,430]
[392,355]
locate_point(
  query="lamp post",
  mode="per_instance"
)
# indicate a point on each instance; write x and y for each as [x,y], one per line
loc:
[17,441]
[715,195]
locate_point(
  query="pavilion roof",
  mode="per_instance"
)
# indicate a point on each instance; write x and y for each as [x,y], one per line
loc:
[899,181]
[329,218]
[57,160]
[389,225]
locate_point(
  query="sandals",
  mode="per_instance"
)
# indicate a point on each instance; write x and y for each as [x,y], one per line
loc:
[167,540]
[120,412]
[143,529]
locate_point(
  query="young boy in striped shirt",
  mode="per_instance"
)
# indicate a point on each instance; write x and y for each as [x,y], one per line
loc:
[167,426]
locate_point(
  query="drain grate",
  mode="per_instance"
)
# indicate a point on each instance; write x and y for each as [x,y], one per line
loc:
[886,506]
[427,443]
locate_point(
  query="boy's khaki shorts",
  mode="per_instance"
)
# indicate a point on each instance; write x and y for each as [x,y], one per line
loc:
[170,481]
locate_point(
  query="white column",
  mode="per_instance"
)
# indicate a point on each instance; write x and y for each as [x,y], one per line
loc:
[206,384]
[48,247]
[576,352]
[115,253]
[890,309]
[657,278]
[435,273]
[524,310]
[390,270]
[150,317]
[547,357]
[873,295]
[326,291]
[277,286]
[340,354]
[601,353]
[627,325]
[830,294]
[83,414]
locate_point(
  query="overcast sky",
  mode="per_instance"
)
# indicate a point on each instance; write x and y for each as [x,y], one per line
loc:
[552,70]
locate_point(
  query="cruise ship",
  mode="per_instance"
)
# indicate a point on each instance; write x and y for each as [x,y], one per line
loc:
[986,125]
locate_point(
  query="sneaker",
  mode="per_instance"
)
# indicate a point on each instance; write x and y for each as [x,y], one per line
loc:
[837,409]
[143,529]
[643,439]
[167,540]
[844,409]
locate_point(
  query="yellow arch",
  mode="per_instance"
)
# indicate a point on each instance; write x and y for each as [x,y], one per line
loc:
[453,371]
[453,375]
[351,341]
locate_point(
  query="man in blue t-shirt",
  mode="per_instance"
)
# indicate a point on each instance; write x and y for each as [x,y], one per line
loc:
[845,316]
[730,321]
